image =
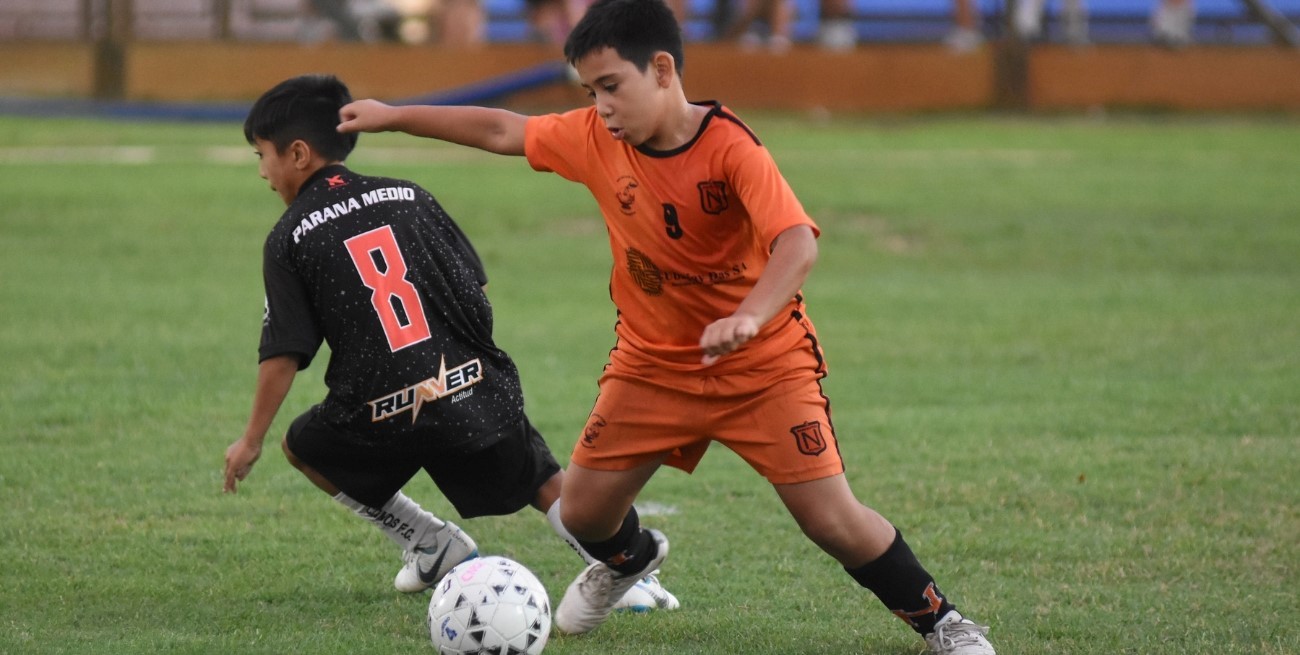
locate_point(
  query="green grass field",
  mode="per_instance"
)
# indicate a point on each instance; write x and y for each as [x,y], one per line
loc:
[1065,359]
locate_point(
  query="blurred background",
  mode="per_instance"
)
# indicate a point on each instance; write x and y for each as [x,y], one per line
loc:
[818,55]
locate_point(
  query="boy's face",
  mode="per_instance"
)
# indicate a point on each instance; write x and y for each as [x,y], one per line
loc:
[627,99]
[284,170]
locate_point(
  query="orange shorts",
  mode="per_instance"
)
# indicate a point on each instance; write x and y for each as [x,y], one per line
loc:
[776,418]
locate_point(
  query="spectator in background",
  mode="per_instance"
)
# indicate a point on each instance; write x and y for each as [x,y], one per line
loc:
[375,21]
[340,15]
[776,16]
[837,31]
[1028,20]
[966,35]
[551,20]
[1172,22]
[681,11]
[459,23]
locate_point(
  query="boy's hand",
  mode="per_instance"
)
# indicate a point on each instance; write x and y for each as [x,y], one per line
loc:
[240,457]
[366,116]
[725,335]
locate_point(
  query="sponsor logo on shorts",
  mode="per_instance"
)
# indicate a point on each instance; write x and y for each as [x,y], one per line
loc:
[592,432]
[808,436]
[412,398]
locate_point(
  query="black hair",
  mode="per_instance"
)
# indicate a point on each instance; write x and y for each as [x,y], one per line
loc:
[635,29]
[304,107]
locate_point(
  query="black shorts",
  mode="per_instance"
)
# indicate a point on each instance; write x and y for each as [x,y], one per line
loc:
[499,479]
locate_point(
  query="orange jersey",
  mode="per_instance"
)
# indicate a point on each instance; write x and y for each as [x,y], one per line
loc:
[690,229]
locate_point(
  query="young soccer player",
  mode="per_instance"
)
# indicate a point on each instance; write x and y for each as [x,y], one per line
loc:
[713,343]
[375,267]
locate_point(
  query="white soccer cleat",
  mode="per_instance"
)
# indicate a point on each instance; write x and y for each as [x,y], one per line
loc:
[954,635]
[646,595]
[592,595]
[426,565]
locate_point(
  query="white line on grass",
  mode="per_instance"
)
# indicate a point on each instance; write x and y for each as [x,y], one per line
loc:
[220,155]
[111,155]
[652,508]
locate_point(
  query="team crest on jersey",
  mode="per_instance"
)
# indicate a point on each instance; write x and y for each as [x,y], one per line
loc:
[647,275]
[713,196]
[626,194]
[592,432]
[451,382]
[808,436]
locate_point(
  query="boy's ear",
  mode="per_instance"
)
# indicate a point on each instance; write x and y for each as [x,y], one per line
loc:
[665,68]
[300,153]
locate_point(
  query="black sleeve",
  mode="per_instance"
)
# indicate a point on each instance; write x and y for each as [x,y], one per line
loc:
[288,324]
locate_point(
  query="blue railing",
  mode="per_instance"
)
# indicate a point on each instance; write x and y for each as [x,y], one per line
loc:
[1109,21]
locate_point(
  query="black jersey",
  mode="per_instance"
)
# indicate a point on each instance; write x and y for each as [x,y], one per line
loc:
[376,268]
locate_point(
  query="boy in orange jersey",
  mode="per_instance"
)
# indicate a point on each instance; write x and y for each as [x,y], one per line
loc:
[710,250]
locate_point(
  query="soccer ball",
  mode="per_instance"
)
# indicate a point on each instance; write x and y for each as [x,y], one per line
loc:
[489,606]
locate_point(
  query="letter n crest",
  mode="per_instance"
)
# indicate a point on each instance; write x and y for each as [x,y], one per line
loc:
[808,437]
[713,196]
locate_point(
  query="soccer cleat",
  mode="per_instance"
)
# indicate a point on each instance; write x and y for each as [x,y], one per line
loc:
[426,565]
[592,595]
[646,595]
[954,635]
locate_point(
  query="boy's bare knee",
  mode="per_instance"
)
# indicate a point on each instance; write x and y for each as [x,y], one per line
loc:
[549,493]
[825,532]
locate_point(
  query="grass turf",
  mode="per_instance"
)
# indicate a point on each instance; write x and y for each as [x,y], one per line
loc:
[1065,359]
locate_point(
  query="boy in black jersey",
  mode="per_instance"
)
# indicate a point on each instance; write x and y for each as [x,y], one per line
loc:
[375,267]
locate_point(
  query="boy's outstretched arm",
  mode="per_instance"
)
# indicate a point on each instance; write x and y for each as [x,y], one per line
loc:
[485,128]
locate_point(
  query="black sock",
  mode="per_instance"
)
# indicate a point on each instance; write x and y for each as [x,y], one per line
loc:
[628,551]
[904,586]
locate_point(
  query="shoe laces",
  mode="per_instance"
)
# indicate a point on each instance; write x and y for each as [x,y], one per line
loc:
[412,555]
[959,633]
[409,556]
